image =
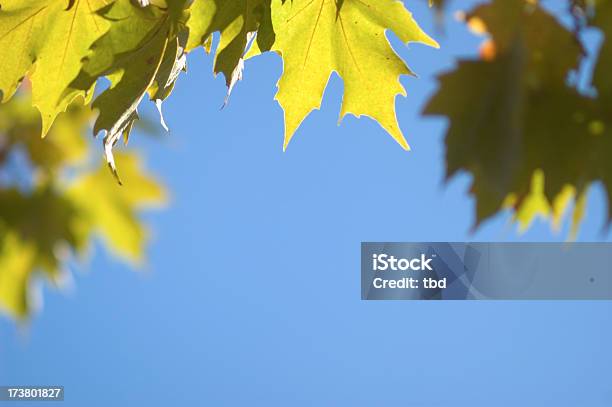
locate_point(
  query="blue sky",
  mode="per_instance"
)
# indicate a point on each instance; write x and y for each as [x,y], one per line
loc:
[250,296]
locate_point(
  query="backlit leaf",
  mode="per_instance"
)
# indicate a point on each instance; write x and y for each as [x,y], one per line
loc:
[513,114]
[316,38]
[52,35]
[234,19]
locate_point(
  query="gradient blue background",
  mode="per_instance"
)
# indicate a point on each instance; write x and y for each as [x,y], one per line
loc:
[251,295]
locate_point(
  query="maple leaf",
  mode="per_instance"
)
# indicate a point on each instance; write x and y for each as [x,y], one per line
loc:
[234,20]
[118,105]
[318,37]
[55,217]
[530,140]
[143,49]
[34,227]
[53,36]
[111,211]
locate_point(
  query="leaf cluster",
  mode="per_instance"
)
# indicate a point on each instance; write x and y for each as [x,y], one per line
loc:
[95,61]
[140,47]
[54,201]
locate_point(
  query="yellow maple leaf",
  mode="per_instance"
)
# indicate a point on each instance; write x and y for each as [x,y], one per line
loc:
[318,37]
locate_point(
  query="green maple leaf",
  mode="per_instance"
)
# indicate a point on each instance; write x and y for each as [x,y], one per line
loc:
[53,36]
[142,49]
[234,20]
[316,38]
[515,123]
[118,105]
[34,227]
[602,81]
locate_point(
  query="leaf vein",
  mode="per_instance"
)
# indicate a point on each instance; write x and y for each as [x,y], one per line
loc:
[297,13]
[70,31]
[348,45]
[314,30]
[19,24]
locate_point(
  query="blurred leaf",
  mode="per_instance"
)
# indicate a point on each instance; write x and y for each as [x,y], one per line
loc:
[35,228]
[535,203]
[56,215]
[603,72]
[16,264]
[65,145]
[111,210]
[514,115]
